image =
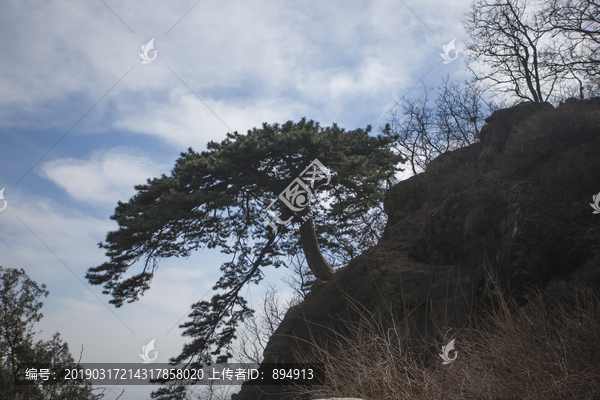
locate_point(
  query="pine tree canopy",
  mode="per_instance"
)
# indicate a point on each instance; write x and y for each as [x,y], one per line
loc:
[214,199]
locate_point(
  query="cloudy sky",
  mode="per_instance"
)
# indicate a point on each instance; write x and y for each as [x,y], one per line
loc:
[82,121]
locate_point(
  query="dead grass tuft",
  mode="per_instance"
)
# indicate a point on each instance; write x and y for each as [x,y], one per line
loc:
[548,349]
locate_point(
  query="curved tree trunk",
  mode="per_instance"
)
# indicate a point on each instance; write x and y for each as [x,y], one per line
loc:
[308,238]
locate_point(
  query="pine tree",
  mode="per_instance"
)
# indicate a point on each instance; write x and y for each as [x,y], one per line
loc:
[20,307]
[220,198]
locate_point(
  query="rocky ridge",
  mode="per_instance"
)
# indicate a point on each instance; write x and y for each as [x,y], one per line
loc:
[516,202]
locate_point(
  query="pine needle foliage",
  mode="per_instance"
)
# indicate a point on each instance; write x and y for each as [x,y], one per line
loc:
[215,198]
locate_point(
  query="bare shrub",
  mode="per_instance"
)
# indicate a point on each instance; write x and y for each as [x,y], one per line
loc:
[422,132]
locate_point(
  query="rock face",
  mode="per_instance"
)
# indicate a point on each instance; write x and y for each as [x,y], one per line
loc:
[517,202]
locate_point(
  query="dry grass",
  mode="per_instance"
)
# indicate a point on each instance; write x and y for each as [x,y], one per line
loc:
[549,349]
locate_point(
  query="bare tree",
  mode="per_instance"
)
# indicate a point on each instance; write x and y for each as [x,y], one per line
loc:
[300,280]
[509,40]
[575,26]
[256,332]
[411,133]
[460,111]
[421,133]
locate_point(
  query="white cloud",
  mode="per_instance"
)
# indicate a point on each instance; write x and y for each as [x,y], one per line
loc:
[185,121]
[264,53]
[106,177]
[37,231]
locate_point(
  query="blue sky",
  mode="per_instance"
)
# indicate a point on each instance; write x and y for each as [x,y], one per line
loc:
[72,68]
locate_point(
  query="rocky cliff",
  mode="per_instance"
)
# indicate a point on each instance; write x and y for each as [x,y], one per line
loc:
[517,203]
